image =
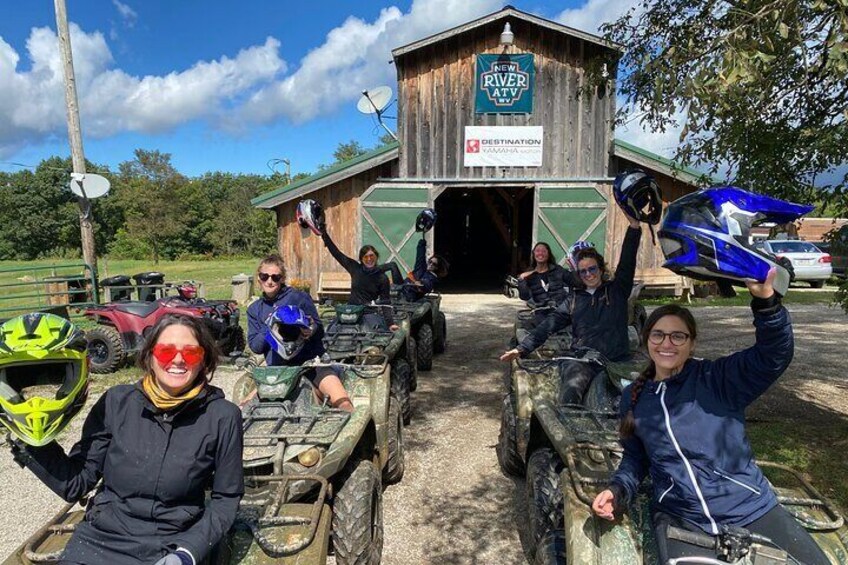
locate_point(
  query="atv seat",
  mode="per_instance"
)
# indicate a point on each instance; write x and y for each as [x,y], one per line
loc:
[140,309]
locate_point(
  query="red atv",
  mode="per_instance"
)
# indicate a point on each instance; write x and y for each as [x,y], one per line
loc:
[124,324]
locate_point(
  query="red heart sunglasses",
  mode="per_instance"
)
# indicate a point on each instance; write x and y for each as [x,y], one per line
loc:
[166,352]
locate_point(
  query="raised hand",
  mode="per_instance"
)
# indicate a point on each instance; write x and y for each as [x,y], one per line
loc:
[763,289]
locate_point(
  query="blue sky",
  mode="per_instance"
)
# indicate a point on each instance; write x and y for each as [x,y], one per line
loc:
[222,85]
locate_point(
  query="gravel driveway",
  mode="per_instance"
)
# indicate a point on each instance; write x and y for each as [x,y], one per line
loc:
[454,505]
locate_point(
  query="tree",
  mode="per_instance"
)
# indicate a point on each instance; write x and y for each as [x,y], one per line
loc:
[347,151]
[150,197]
[759,85]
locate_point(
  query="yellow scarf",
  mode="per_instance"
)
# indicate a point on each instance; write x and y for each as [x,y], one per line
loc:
[164,401]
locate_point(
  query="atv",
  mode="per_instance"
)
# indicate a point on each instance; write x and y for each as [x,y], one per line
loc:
[312,473]
[428,325]
[568,453]
[346,332]
[123,325]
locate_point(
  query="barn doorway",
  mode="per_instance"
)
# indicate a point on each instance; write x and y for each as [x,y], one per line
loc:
[485,233]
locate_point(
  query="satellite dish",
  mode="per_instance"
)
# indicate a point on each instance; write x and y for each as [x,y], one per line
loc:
[89,185]
[375,100]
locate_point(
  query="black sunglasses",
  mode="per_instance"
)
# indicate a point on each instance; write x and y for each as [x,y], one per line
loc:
[276,277]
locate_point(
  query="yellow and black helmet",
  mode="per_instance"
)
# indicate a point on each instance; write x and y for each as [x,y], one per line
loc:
[43,376]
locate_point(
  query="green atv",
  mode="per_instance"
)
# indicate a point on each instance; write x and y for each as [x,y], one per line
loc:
[428,325]
[347,333]
[314,475]
[568,453]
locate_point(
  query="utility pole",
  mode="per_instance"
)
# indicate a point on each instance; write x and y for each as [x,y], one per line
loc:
[74,132]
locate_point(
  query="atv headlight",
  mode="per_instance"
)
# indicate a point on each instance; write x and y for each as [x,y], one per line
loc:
[310,457]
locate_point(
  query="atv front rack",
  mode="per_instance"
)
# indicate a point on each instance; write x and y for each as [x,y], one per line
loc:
[356,342]
[594,452]
[269,423]
[800,506]
[262,509]
[48,543]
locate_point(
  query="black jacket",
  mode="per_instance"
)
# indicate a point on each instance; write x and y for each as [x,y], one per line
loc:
[551,286]
[156,468]
[598,320]
[367,285]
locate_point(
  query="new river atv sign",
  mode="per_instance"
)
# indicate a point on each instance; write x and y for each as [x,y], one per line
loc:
[504,84]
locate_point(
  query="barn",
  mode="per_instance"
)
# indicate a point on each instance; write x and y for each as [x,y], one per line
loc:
[505,139]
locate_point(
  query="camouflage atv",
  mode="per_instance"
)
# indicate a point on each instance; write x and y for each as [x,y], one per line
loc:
[568,454]
[346,333]
[428,325]
[312,473]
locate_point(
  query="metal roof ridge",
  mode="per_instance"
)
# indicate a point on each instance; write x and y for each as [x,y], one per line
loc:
[337,168]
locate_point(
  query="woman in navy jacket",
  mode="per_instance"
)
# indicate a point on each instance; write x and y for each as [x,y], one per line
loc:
[683,422]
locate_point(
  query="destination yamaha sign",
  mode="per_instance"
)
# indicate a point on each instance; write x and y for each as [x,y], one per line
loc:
[504,84]
[503,146]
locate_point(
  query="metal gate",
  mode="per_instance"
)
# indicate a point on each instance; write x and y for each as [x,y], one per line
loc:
[388,215]
[565,214]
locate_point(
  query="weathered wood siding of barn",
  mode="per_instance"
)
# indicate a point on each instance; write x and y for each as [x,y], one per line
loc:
[436,101]
[305,255]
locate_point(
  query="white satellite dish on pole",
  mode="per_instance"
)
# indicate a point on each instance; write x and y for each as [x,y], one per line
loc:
[89,185]
[375,101]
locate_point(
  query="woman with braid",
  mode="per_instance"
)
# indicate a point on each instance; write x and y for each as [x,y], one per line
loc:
[683,422]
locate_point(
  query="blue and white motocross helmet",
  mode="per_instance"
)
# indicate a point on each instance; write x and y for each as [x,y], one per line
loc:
[639,196]
[284,331]
[705,235]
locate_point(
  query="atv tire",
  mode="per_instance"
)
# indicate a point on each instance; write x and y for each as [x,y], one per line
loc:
[395,467]
[105,350]
[816,284]
[507,450]
[235,342]
[358,515]
[401,382]
[440,342]
[544,496]
[425,347]
[551,549]
[412,358]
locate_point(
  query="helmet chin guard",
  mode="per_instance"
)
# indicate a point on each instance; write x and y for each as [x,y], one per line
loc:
[285,331]
[706,235]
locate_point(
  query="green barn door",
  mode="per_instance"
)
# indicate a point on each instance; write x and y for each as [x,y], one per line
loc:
[388,221]
[567,214]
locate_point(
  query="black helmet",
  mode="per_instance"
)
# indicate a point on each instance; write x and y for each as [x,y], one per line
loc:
[426,220]
[310,215]
[639,196]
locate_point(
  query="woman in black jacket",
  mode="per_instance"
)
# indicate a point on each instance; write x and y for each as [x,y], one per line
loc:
[683,422]
[368,283]
[157,445]
[546,282]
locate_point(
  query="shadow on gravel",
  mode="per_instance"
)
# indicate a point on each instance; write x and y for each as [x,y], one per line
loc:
[490,510]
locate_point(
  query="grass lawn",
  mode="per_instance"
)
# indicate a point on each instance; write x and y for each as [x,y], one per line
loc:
[816,451]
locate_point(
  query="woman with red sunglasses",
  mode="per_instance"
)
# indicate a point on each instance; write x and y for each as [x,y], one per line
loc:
[157,445]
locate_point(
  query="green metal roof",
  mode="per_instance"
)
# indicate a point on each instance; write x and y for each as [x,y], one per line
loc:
[302,186]
[687,174]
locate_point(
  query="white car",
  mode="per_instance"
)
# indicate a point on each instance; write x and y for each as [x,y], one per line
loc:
[808,261]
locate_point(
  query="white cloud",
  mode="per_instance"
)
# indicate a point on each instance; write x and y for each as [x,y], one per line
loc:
[112,101]
[356,56]
[593,13]
[128,14]
[662,143]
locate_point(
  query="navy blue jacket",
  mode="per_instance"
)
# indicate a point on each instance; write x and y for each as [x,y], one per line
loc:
[690,433]
[598,320]
[156,467]
[257,326]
